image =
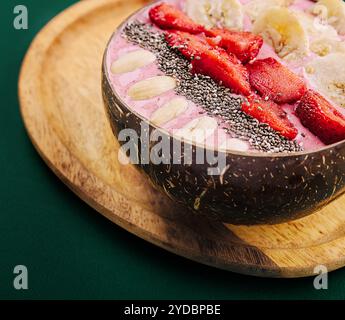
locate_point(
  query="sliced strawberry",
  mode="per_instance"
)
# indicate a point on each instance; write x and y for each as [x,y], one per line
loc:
[244,45]
[270,113]
[275,81]
[321,118]
[210,61]
[167,16]
[224,68]
[189,45]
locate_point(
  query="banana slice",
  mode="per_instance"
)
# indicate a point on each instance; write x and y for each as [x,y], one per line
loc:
[333,11]
[323,38]
[256,7]
[132,61]
[199,10]
[198,130]
[281,28]
[327,74]
[169,111]
[152,87]
[216,13]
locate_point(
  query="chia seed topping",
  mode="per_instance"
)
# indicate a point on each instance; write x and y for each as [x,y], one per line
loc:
[215,99]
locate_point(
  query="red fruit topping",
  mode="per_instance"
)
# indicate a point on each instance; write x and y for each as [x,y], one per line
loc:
[321,118]
[275,81]
[167,16]
[270,113]
[213,62]
[224,68]
[189,45]
[244,45]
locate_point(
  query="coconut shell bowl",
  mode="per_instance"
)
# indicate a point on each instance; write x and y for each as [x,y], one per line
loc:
[253,188]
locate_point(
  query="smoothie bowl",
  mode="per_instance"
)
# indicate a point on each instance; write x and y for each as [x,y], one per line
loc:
[234,109]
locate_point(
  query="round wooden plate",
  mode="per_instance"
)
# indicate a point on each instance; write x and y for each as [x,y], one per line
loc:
[61,104]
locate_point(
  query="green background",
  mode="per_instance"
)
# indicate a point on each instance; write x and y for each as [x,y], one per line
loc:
[69,249]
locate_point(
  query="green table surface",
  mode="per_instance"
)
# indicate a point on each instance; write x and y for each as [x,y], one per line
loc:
[70,250]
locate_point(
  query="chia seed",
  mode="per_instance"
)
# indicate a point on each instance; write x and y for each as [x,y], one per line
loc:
[214,98]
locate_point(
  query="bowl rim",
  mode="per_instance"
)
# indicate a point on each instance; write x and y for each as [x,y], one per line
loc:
[123,104]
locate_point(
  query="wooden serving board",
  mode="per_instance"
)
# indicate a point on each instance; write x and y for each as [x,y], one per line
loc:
[61,104]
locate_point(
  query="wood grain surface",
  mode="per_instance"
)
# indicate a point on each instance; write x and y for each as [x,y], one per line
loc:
[61,104]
